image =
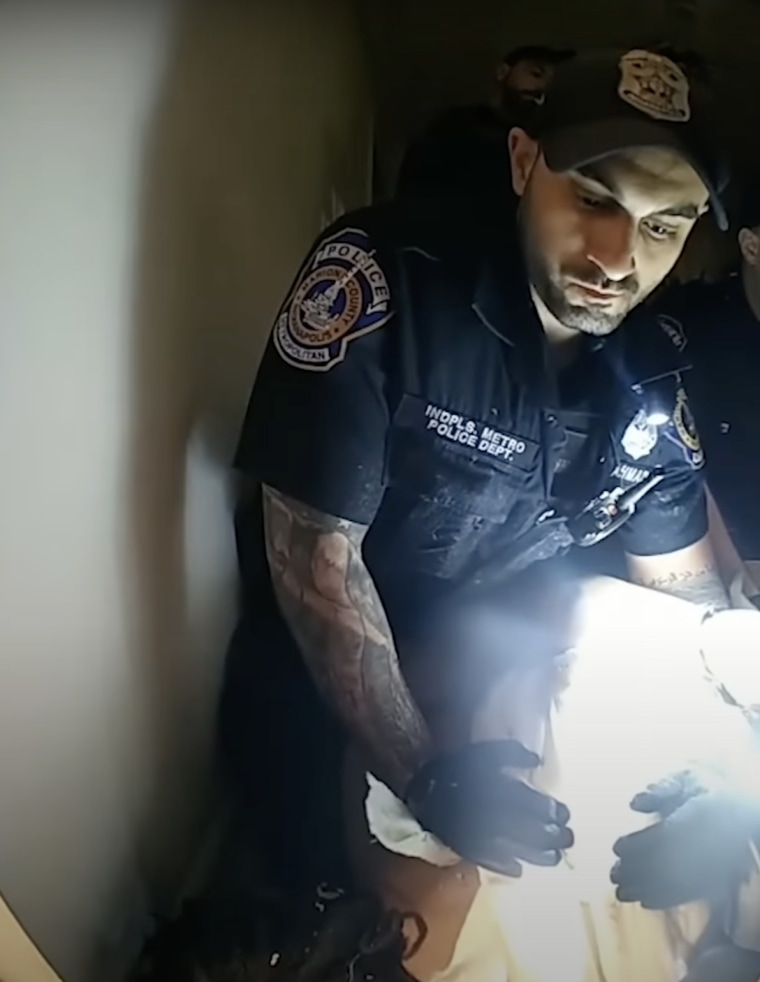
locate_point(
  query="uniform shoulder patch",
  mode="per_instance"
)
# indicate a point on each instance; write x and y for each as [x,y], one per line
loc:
[340,295]
[683,432]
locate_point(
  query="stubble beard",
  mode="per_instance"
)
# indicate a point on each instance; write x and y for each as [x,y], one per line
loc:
[595,321]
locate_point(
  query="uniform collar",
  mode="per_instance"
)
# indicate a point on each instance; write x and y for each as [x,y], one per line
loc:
[503,302]
[501,299]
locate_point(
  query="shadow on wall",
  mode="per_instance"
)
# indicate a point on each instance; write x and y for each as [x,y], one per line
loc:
[273,132]
[262,131]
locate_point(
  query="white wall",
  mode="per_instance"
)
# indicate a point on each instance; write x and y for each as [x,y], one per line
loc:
[159,183]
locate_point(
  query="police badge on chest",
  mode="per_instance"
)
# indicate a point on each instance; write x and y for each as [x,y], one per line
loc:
[640,436]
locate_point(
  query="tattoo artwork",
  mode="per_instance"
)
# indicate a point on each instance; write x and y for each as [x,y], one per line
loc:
[703,587]
[335,614]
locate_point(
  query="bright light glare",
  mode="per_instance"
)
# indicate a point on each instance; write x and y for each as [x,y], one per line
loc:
[730,642]
[638,707]
[657,418]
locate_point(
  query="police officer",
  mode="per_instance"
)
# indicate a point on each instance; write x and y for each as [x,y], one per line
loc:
[463,152]
[443,402]
[717,327]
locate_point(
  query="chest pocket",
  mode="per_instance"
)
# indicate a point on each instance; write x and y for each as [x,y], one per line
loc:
[582,467]
[454,482]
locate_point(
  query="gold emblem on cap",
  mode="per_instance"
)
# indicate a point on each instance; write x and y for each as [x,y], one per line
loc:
[654,85]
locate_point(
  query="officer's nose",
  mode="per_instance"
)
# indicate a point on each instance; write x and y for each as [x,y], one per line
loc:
[610,245]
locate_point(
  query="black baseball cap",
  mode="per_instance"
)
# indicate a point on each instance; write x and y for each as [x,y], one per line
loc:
[601,104]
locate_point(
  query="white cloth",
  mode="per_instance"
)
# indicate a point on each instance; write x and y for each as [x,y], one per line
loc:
[397,830]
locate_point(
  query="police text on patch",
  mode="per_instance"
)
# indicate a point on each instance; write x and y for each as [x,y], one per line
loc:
[341,295]
[471,433]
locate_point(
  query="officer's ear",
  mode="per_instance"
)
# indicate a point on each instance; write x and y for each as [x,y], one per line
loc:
[502,72]
[749,244]
[523,154]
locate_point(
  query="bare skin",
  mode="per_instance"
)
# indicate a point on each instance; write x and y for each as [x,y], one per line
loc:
[691,574]
[332,607]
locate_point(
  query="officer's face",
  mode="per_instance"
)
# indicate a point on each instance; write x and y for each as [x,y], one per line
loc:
[599,240]
[526,80]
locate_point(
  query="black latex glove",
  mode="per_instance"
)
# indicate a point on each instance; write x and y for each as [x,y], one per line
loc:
[486,815]
[698,851]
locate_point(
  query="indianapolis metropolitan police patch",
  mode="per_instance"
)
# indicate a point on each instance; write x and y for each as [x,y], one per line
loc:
[340,295]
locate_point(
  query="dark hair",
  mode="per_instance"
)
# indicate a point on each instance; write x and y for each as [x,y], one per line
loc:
[537,52]
[279,939]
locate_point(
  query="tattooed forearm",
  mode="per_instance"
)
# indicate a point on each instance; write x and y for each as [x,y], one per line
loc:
[335,614]
[703,587]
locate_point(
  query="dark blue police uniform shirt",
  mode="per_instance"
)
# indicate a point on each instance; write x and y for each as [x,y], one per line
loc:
[719,336]
[405,387]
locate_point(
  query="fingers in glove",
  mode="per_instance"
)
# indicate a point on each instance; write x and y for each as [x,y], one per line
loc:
[676,871]
[658,894]
[536,857]
[463,791]
[635,847]
[663,797]
[513,834]
[505,796]
[522,828]
[474,767]
[496,861]
[507,858]
[498,841]
[536,805]
[652,888]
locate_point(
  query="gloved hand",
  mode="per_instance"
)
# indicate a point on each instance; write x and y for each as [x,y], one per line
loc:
[700,848]
[488,816]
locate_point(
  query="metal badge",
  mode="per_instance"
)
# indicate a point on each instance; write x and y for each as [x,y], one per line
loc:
[640,436]
[654,85]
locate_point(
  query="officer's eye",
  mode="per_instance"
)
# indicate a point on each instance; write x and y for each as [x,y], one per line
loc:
[656,230]
[590,200]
